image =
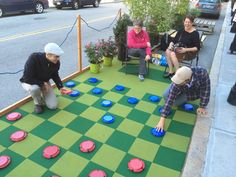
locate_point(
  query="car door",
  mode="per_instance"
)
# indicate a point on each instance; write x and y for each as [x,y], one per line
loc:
[27,4]
[86,2]
[11,5]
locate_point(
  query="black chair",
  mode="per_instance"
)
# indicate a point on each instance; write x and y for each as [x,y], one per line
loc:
[129,59]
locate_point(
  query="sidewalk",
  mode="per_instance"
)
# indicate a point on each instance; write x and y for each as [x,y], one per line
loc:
[212,151]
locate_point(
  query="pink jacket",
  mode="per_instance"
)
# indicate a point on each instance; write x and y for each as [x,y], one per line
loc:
[139,40]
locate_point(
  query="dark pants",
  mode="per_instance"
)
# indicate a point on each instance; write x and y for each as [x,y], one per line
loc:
[180,99]
[233,44]
[141,53]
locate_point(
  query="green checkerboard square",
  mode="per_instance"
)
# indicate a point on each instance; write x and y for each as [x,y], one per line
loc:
[124,101]
[46,130]
[119,109]
[63,102]
[160,171]
[123,167]
[5,136]
[62,118]
[61,138]
[146,98]
[28,122]
[87,99]
[2,148]
[137,91]
[131,127]
[38,158]
[28,146]
[144,149]
[49,173]
[175,141]
[156,112]
[28,107]
[76,108]
[181,128]
[16,159]
[4,125]
[93,166]
[117,175]
[100,132]
[69,164]
[123,92]
[114,97]
[98,95]
[108,157]
[22,112]
[75,148]
[146,135]
[98,104]
[166,156]
[80,125]
[145,106]
[154,73]
[83,87]
[27,168]
[139,116]
[47,113]
[153,121]
[91,83]
[184,117]
[93,114]
[120,141]
[115,124]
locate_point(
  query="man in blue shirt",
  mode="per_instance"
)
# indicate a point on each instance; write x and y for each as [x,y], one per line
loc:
[188,84]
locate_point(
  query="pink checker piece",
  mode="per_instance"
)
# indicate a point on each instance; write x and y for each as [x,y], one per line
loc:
[18,136]
[4,161]
[51,151]
[136,165]
[87,146]
[97,173]
[13,116]
[67,92]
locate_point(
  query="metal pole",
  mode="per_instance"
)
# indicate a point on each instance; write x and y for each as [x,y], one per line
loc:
[79,43]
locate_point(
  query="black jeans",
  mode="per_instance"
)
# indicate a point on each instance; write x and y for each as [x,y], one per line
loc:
[141,53]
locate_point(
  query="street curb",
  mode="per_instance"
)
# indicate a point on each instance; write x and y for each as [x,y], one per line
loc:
[196,157]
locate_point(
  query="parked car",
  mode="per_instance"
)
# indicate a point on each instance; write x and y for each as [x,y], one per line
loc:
[16,6]
[75,4]
[209,7]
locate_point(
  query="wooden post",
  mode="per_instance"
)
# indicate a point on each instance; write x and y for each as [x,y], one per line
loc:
[79,43]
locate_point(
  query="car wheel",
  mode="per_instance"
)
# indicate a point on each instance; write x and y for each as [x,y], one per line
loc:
[1,12]
[39,8]
[96,3]
[75,5]
[58,7]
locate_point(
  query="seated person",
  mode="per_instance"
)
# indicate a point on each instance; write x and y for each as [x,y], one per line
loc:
[188,39]
[139,46]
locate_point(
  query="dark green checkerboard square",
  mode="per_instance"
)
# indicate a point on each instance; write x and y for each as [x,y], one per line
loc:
[115,124]
[123,92]
[46,130]
[80,125]
[23,113]
[123,167]
[76,83]
[146,98]
[75,148]
[98,104]
[76,108]
[98,95]
[47,113]
[121,140]
[49,174]
[146,135]
[156,75]
[38,158]
[170,158]
[93,84]
[5,136]
[124,101]
[156,112]
[138,116]
[181,128]
[16,159]
[93,166]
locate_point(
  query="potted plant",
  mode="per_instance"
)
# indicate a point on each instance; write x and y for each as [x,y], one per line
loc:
[94,54]
[109,50]
[119,31]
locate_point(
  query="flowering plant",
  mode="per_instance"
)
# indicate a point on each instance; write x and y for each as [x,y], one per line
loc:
[108,47]
[94,53]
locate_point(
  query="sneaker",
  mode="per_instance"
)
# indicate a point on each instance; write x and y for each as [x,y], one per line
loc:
[168,75]
[38,109]
[140,76]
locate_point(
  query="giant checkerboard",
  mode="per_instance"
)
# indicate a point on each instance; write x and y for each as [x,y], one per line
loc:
[79,118]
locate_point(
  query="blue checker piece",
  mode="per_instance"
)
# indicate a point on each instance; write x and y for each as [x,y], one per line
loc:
[97,91]
[188,107]
[93,80]
[70,84]
[154,98]
[132,100]
[74,93]
[119,87]
[157,133]
[106,103]
[108,119]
